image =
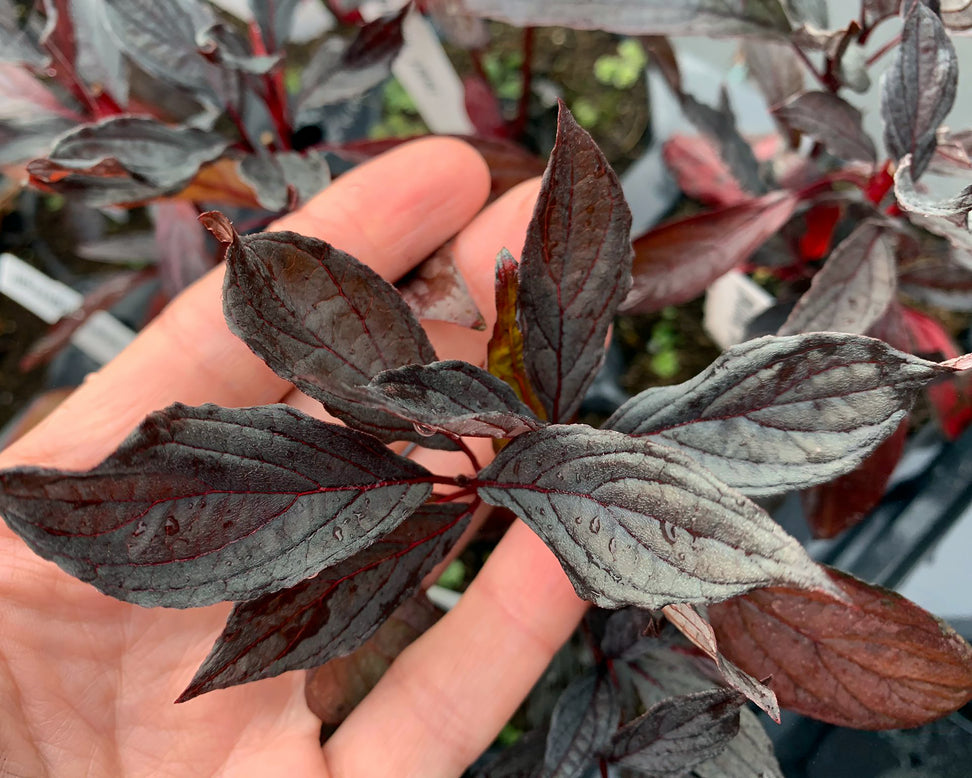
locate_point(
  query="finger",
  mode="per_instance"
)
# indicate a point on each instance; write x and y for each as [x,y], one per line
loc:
[443,701]
[390,213]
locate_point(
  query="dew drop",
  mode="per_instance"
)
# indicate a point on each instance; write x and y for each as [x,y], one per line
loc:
[140,529]
[424,430]
[613,547]
[578,520]
[595,525]
[171,526]
[670,532]
[338,534]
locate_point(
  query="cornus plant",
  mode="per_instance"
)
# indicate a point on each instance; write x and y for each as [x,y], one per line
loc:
[321,532]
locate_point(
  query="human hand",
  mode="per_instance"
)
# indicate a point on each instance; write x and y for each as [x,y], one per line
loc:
[88,681]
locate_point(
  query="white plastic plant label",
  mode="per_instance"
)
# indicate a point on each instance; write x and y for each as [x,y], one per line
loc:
[730,304]
[101,337]
[425,72]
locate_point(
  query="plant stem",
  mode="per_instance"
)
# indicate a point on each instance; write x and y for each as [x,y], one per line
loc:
[526,73]
[883,50]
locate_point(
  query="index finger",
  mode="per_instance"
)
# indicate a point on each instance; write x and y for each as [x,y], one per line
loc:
[390,213]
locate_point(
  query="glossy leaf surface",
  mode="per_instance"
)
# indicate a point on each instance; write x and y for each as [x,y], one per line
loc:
[125,159]
[918,90]
[585,717]
[776,414]
[642,17]
[676,262]
[853,288]
[574,271]
[333,613]
[877,661]
[201,505]
[454,397]
[678,734]
[320,319]
[635,523]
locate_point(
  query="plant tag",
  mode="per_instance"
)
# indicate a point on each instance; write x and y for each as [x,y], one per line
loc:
[425,72]
[101,337]
[730,304]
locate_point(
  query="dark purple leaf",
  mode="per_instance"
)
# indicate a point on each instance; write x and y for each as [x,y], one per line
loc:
[676,262]
[201,505]
[628,632]
[453,397]
[335,689]
[748,755]
[583,721]
[776,414]
[320,319]
[436,290]
[343,71]
[697,629]
[854,287]
[918,90]
[99,57]
[936,278]
[58,34]
[333,613]
[223,45]
[678,734]
[719,126]
[830,120]
[524,759]
[838,505]
[160,37]
[125,160]
[873,661]
[574,271]
[456,24]
[284,179]
[647,17]
[180,241]
[635,523]
[701,174]
[776,69]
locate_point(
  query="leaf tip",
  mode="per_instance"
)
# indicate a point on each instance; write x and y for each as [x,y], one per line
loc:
[220,227]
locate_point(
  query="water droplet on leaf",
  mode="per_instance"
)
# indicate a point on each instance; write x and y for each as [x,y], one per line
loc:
[140,529]
[171,526]
[338,534]
[424,430]
[595,525]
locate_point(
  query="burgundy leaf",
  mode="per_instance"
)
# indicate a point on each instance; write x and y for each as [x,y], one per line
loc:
[918,90]
[676,262]
[627,633]
[524,759]
[574,271]
[776,414]
[333,613]
[647,17]
[585,717]
[634,523]
[436,290]
[343,72]
[854,287]
[690,623]
[125,160]
[948,219]
[775,67]
[830,120]
[180,242]
[678,734]
[876,661]
[99,59]
[453,397]
[335,689]
[320,319]
[719,125]
[838,505]
[201,505]
[700,172]
[505,350]
[937,279]
[483,107]
[102,297]
[274,19]
[58,34]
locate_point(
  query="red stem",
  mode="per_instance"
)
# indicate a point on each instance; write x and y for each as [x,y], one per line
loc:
[883,50]
[526,76]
